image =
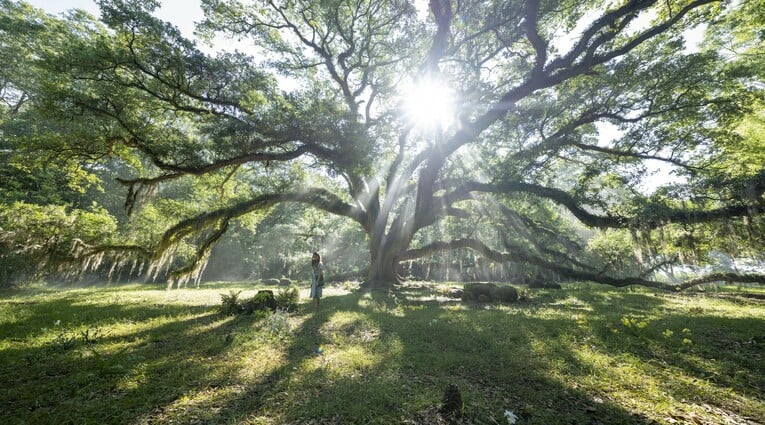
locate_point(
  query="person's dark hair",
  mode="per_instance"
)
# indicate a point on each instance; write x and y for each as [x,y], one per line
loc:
[315,258]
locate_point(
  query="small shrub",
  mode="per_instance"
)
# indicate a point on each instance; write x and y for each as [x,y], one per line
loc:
[350,285]
[64,341]
[288,298]
[634,325]
[67,340]
[230,303]
[523,295]
[262,301]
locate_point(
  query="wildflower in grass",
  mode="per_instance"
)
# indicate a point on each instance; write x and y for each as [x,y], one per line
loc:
[278,323]
[511,417]
[687,341]
[57,322]
[668,333]
[633,325]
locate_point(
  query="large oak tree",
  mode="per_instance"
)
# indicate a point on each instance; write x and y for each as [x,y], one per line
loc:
[327,101]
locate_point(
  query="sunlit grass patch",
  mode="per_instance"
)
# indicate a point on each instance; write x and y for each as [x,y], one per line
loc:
[578,355]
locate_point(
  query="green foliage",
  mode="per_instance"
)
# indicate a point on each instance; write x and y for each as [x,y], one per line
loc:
[287,298]
[278,323]
[42,184]
[67,339]
[38,241]
[614,249]
[230,304]
[262,301]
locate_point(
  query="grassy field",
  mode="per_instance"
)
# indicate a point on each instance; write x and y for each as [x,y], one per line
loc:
[586,354]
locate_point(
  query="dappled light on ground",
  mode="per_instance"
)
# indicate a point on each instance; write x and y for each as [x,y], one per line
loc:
[584,354]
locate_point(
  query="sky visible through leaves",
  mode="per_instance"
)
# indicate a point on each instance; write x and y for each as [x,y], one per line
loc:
[185,13]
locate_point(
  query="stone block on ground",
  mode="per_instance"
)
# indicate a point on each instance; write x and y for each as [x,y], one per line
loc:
[505,294]
[485,292]
[478,291]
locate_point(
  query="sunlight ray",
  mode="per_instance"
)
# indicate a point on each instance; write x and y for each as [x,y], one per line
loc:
[429,104]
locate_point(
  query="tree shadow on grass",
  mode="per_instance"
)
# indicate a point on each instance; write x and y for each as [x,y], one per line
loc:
[384,359]
[713,363]
[81,373]
[389,363]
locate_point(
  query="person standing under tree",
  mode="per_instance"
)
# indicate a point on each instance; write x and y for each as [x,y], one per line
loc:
[317,278]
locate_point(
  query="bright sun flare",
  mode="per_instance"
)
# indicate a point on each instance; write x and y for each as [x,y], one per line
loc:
[429,104]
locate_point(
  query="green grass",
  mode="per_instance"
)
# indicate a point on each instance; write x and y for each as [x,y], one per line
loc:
[586,354]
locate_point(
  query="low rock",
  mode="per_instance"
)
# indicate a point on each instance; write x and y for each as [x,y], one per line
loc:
[485,292]
[505,294]
[478,291]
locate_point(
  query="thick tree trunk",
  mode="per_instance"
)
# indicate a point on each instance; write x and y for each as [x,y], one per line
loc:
[384,249]
[383,266]
[382,275]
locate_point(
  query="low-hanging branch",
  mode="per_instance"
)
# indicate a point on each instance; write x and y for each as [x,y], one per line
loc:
[195,267]
[657,218]
[518,256]
[161,255]
[141,187]
[531,237]
[316,197]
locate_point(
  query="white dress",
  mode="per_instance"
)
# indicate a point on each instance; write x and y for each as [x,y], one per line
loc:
[316,271]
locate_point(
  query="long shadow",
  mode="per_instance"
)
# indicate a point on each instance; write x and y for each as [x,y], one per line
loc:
[107,385]
[406,353]
[723,354]
[687,353]
[405,384]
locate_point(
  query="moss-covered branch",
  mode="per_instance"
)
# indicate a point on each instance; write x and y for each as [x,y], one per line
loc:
[519,256]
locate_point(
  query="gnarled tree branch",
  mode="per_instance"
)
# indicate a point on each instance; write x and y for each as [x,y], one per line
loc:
[569,272]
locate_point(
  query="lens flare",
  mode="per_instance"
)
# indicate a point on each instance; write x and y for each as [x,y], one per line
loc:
[429,104]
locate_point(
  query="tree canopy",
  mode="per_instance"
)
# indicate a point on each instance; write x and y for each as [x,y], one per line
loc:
[539,149]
